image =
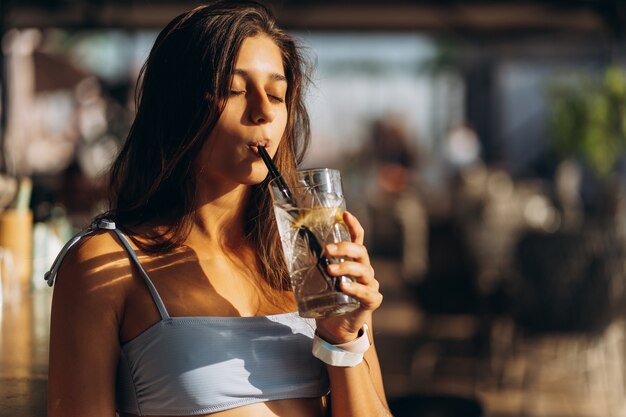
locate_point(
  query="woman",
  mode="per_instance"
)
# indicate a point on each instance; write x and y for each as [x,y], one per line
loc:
[177,301]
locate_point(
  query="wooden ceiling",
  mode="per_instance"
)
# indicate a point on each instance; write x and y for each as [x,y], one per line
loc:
[462,17]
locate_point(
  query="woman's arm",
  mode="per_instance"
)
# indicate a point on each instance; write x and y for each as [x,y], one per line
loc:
[358,390]
[84,343]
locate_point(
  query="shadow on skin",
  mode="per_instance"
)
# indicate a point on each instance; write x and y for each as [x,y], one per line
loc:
[177,276]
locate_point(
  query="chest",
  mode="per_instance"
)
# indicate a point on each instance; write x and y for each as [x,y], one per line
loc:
[217,286]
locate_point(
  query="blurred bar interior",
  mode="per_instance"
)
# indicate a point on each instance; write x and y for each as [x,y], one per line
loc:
[482,144]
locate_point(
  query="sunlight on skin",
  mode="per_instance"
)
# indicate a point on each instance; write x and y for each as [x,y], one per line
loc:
[177,257]
[117,271]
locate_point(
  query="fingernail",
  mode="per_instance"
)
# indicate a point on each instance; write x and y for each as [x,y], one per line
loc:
[346,284]
[333,267]
[331,247]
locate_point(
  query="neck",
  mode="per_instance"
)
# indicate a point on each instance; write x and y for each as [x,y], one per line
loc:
[220,219]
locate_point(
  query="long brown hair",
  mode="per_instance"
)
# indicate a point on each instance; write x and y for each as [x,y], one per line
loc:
[182,90]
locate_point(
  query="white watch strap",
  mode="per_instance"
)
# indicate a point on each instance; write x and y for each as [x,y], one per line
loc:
[334,355]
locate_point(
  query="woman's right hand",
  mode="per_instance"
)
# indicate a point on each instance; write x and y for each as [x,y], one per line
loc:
[345,327]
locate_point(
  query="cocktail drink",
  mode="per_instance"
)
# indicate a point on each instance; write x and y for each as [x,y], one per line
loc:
[308,219]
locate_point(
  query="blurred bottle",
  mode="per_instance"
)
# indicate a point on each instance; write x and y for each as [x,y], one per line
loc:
[16,225]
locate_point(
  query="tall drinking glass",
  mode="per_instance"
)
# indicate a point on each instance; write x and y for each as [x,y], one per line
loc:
[305,228]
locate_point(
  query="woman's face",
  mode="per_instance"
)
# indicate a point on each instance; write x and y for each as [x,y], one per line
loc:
[255,115]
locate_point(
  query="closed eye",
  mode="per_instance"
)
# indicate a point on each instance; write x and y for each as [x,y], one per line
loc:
[276,99]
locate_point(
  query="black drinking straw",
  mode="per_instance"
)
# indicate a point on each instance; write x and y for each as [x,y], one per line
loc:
[276,175]
[303,230]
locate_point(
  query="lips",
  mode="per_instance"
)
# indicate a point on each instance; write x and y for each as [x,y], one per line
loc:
[265,143]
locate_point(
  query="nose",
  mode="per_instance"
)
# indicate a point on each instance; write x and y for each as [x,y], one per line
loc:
[261,109]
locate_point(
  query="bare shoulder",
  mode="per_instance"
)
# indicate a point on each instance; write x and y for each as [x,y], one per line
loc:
[96,269]
[87,312]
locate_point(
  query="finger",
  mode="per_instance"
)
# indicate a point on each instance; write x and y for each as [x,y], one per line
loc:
[356,230]
[350,250]
[369,298]
[362,273]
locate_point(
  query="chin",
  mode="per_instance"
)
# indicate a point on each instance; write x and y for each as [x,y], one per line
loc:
[257,176]
[253,179]
[257,180]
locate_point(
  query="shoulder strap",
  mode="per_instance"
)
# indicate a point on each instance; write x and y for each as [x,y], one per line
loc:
[155,294]
[51,275]
[105,224]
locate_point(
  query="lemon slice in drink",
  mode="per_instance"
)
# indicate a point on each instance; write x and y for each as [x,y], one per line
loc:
[317,216]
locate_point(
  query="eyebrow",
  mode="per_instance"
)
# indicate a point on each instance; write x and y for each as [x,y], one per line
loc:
[273,76]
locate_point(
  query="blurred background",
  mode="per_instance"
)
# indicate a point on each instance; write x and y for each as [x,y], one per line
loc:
[481,144]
